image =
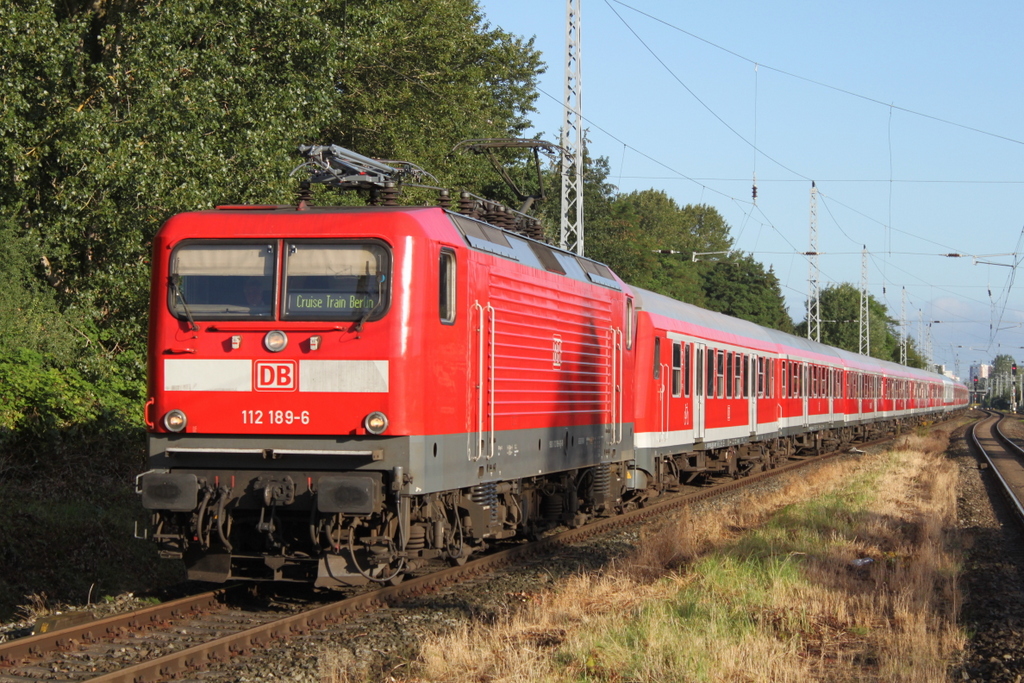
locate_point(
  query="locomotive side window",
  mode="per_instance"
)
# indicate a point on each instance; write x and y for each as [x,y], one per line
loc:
[677,369]
[336,281]
[657,358]
[629,323]
[223,281]
[446,300]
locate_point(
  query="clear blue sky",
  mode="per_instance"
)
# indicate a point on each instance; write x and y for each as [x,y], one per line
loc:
[891,176]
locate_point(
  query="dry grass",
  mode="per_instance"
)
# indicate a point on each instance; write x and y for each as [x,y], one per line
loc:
[854,583]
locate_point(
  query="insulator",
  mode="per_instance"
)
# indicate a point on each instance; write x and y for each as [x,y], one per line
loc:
[444,199]
[467,205]
[304,196]
[389,194]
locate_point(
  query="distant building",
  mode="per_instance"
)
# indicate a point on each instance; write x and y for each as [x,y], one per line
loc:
[980,371]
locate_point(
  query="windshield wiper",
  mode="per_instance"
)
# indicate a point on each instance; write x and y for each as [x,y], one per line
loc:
[176,288]
[380,299]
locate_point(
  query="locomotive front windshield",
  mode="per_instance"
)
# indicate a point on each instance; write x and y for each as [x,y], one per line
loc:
[232,281]
[335,281]
[323,280]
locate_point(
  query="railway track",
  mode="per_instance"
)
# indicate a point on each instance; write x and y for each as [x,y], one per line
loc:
[175,638]
[1004,456]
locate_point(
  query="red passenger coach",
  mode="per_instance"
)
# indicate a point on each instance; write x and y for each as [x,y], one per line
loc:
[337,395]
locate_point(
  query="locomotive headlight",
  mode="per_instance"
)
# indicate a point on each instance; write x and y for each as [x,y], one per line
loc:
[175,421]
[275,341]
[376,422]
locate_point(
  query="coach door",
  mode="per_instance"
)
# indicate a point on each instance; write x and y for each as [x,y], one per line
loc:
[830,372]
[805,391]
[699,368]
[750,391]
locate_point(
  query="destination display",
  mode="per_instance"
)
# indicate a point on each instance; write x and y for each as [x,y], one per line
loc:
[308,302]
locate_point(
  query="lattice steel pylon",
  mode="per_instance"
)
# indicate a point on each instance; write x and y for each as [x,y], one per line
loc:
[571,224]
[903,329]
[813,289]
[865,317]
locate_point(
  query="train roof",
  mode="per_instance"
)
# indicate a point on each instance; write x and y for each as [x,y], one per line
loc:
[775,340]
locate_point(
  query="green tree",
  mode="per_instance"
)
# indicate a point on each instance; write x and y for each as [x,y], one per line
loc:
[839,308]
[119,114]
[739,286]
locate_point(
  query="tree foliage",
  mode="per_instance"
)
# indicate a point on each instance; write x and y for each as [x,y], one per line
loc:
[119,113]
[649,241]
[839,309]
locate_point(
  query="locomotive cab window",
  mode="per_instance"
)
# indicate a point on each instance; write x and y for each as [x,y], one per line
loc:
[223,281]
[336,281]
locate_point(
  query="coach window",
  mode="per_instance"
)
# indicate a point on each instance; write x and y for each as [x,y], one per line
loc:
[657,358]
[677,369]
[698,379]
[336,280]
[728,374]
[687,350]
[223,281]
[785,375]
[712,354]
[447,286]
[720,385]
[741,364]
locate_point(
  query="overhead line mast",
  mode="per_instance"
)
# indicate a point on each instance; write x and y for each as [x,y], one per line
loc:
[814,291]
[865,309]
[571,224]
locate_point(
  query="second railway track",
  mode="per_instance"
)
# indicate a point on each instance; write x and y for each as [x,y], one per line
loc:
[1004,456]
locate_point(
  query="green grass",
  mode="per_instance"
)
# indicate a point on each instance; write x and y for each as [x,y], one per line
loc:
[732,595]
[64,548]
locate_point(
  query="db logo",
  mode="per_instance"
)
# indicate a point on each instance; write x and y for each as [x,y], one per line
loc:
[276,375]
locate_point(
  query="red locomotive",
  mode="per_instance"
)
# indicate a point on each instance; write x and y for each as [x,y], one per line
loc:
[340,394]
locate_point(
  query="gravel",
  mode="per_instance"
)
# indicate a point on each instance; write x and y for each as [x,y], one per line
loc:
[992,580]
[381,645]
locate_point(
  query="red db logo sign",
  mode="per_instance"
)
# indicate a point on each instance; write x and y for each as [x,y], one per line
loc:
[276,375]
